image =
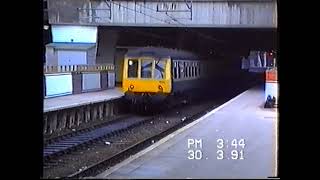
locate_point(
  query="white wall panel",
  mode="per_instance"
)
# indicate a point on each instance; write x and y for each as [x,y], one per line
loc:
[71,57]
[81,34]
[90,81]
[58,84]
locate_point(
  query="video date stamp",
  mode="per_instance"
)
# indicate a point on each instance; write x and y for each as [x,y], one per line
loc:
[235,147]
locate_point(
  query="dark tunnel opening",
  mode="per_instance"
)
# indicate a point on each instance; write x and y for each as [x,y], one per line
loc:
[225,45]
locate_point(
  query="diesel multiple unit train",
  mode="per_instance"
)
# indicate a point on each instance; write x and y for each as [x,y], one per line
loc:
[156,75]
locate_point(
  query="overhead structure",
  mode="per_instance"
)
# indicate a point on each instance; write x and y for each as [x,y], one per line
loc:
[165,13]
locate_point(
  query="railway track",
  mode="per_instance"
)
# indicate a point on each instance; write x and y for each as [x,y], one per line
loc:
[91,152]
[99,167]
[68,143]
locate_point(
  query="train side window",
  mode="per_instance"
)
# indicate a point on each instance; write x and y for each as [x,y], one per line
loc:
[196,70]
[190,70]
[182,71]
[185,69]
[178,70]
[175,70]
[132,68]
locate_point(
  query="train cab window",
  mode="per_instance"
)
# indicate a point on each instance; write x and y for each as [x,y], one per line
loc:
[159,69]
[146,68]
[132,68]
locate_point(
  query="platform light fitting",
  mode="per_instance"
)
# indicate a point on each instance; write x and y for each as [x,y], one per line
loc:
[45,27]
[130,63]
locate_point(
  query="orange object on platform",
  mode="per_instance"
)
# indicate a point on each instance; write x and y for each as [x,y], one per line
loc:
[271,76]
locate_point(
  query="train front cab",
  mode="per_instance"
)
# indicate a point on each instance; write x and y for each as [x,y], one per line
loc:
[146,77]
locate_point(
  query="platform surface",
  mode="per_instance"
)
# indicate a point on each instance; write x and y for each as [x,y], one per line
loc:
[241,118]
[69,101]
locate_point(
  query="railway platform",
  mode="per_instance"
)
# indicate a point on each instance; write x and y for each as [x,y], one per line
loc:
[64,113]
[236,140]
[70,101]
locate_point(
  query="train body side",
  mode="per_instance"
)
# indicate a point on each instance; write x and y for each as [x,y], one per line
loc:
[188,76]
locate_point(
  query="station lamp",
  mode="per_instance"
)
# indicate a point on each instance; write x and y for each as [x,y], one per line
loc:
[45,27]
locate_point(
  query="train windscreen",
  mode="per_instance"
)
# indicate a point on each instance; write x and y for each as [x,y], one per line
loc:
[146,68]
[133,68]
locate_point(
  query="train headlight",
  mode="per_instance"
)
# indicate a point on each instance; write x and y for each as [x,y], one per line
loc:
[160,88]
[131,86]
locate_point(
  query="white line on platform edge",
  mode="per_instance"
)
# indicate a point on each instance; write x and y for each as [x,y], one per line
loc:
[163,140]
[276,155]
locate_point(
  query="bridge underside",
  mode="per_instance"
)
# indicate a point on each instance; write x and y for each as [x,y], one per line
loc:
[157,13]
[208,42]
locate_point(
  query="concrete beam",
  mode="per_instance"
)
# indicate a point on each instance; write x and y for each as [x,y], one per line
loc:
[230,13]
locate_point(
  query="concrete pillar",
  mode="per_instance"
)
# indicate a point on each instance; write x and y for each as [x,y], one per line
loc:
[111,79]
[71,119]
[76,83]
[107,40]
[104,80]
[51,56]
[111,112]
[116,108]
[94,112]
[119,59]
[100,111]
[45,123]
[79,116]
[52,122]
[87,114]
[106,110]
[62,120]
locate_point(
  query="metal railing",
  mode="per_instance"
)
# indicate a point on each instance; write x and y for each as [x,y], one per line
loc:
[47,69]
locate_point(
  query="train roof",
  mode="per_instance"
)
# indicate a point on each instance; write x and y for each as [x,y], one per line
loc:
[161,53]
